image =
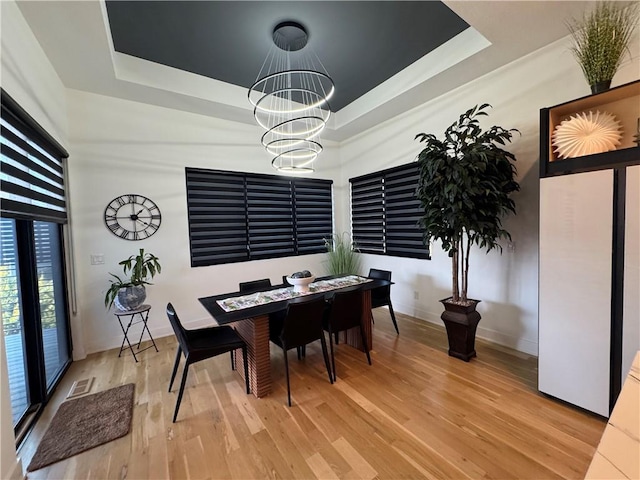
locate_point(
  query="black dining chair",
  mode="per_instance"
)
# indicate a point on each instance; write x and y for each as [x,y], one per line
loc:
[302,325]
[345,312]
[200,344]
[381,296]
[254,285]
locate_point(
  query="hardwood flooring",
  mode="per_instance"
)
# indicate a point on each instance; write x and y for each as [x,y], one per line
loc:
[415,413]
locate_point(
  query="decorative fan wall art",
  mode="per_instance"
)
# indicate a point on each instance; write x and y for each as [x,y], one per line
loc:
[586,134]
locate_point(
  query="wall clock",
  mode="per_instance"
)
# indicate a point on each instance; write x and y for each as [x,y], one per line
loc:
[132,217]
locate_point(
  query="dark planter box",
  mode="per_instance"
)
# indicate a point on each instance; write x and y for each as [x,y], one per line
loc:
[461,322]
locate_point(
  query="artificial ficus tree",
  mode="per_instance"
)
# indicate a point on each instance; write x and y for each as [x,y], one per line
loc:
[464,188]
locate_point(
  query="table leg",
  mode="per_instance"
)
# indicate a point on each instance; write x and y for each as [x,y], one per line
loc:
[255,333]
[353,334]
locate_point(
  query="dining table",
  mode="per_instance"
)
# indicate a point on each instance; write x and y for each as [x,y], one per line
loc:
[251,320]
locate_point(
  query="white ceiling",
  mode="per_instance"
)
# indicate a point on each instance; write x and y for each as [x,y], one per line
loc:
[76,38]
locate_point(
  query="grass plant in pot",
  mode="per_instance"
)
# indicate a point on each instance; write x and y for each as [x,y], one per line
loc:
[601,38]
[343,255]
[130,293]
[464,188]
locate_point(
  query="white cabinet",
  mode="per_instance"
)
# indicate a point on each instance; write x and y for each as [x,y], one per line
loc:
[576,220]
[589,263]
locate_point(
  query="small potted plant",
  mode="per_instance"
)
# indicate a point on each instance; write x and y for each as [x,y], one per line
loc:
[130,293]
[600,39]
[343,255]
[464,189]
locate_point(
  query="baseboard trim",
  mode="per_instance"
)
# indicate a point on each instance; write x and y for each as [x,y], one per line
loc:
[522,345]
[15,472]
[159,332]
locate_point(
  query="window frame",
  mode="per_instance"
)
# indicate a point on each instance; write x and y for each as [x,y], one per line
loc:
[37,155]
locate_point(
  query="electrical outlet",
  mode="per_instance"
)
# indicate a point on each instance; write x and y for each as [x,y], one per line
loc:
[97,259]
[416,295]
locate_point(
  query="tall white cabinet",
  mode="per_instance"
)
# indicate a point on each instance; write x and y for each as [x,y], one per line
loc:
[575,288]
[589,259]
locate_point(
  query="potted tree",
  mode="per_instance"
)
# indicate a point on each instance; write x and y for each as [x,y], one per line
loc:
[130,293]
[600,39]
[464,189]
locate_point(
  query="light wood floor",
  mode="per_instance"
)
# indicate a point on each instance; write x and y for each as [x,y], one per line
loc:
[416,413]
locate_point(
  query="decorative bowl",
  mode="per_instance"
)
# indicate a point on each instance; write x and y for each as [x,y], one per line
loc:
[301,284]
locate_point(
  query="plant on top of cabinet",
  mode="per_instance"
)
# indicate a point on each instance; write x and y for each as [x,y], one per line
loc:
[464,188]
[129,294]
[600,39]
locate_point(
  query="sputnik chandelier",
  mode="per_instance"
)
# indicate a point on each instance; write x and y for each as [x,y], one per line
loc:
[290,100]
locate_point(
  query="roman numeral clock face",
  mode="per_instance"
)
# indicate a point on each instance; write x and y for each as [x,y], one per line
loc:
[132,217]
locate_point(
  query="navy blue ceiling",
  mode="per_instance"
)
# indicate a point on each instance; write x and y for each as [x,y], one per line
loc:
[360,43]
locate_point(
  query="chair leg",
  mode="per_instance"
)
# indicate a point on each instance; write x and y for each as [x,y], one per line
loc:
[299,351]
[175,366]
[393,317]
[286,369]
[185,372]
[333,359]
[233,364]
[325,354]
[246,369]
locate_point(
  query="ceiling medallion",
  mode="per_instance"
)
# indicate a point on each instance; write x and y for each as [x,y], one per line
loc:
[290,99]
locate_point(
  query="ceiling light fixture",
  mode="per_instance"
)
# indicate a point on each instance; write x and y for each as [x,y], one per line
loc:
[290,100]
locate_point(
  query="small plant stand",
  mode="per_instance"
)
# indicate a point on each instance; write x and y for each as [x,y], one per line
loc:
[143,313]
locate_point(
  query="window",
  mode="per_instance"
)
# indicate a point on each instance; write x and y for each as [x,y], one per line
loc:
[385,213]
[238,217]
[32,280]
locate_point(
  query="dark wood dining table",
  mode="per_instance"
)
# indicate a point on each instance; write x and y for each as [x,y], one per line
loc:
[252,324]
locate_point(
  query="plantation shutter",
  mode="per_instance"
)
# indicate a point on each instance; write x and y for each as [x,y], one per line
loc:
[314,214]
[32,172]
[367,212]
[217,217]
[402,211]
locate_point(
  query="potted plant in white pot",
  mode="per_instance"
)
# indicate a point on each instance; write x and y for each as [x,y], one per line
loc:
[464,188]
[130,293]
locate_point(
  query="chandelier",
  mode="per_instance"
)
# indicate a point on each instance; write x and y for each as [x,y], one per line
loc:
[290,100]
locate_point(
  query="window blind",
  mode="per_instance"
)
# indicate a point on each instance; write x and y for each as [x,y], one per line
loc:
[314,214]
[367,212]
[270,217]
[32,171]
[236,217]
[403,236]
[385,213]
[217,217]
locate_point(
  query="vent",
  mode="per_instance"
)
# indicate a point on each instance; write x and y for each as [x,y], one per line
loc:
[80,387]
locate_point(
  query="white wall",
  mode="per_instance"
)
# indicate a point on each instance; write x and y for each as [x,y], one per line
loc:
[119,147]
[30,79]
[507,284]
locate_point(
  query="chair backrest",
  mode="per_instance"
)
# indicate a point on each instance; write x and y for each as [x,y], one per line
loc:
[303,323]
[254,285]
[346,310]
[178,329]
[380,294]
